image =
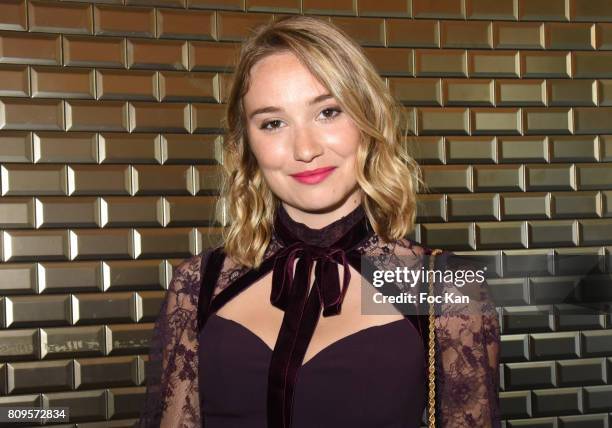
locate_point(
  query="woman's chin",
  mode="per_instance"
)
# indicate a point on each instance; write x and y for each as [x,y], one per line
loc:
[320,204]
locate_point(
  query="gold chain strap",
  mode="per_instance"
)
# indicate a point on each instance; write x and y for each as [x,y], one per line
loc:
[432,346]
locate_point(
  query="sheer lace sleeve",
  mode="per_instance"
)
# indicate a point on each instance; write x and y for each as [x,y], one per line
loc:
[467,334]
[467,337]
[172,398]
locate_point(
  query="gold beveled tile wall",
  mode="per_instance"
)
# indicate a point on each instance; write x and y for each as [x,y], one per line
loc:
[110,149]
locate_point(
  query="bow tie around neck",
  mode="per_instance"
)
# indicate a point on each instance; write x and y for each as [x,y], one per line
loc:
[326,283]
[327,247]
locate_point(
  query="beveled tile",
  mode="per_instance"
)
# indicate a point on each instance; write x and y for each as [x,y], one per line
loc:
[531,205]
[186,24]
[106,371]
[30,311]
[33,179]
[18,278]
[172,242]
[518,35]
[67,212]
[14,81]
[391,62]
[493,64]
[192,211]
[212,56]
[365,31]
[18,345]
[155,117]
[192,87]
[64,342]
[524,92]
[124,21]
[35,245]
[16,146]
[17,212]
[466,34]
[547,121]
[442,178]
[99,180]
[500,120]
[13,15]
[485,9]
[60,17]
[498,178]
[126,211]
[81,51]
[570,36]
[65,147]
[51,82]
[477,92]
[206,118]
[438,9]
[543,10]
[446,63]
[576,92]
[157,54]
[546,64]
[193,149]
[130,148]
[28,114]
[126,85]
[470,149]
[449,120]
[412,33]
[69,276]
[417,91]
[158,180]
[96,116]
[20,48]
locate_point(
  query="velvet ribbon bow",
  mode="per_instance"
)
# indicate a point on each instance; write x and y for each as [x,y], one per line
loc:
[326,284]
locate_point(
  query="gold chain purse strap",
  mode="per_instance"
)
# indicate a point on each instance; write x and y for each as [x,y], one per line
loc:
[432,346]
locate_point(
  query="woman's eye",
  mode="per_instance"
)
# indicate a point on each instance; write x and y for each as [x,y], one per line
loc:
[330,113]
[266,125]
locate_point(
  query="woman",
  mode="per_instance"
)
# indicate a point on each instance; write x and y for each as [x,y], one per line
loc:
[267,330]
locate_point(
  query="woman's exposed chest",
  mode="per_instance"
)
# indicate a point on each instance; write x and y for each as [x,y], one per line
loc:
[252,309]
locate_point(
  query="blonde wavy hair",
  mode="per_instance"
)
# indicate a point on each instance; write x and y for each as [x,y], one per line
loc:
[388,176]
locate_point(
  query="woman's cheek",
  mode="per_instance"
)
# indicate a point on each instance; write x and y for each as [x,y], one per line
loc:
[272,156]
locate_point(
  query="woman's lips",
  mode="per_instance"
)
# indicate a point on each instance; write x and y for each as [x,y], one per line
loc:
[315,176]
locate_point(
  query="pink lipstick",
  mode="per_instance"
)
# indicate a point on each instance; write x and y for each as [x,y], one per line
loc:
[314,176]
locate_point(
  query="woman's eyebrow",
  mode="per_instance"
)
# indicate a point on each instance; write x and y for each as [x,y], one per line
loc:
[273,109]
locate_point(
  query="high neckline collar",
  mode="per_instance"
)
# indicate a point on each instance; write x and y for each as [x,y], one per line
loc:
[323,237]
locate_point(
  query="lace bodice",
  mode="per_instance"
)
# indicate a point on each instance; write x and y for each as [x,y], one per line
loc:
[467,336]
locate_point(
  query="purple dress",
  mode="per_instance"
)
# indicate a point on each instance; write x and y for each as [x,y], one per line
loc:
[205,370]
[372,378]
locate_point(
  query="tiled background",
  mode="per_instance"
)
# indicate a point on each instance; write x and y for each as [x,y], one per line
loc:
[109,150]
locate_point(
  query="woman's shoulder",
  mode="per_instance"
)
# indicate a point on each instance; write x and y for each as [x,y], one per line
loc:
[211,267]
[187,274]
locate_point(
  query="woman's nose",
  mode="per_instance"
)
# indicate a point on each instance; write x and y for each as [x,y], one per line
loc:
[306,145]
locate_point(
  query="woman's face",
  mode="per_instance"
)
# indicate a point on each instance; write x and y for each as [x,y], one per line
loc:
[295,126]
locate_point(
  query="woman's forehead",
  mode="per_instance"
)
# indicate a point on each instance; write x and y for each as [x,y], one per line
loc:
[282,78]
